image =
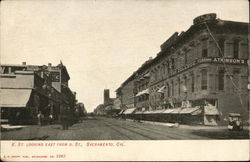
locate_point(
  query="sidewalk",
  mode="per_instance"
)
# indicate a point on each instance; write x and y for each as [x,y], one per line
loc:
[7,127]
[191,127]
[29,132]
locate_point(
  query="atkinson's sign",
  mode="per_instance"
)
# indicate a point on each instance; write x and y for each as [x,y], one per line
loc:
[211,60]
[223,60]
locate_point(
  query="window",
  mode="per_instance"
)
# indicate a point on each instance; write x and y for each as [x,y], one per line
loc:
[168,67]
[179,86]
[204,48]
[236,49]
[172,88]
[162,96]
[204,79]
[222,47]
[185,57]
[185,84]
[172,63]
[164,69]
[156,75]
[192,82]
[168,90]
[236,79]
[221,79]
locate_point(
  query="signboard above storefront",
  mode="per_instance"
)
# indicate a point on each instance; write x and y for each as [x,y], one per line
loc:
[211,60]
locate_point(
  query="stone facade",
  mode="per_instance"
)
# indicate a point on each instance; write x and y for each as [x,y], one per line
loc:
[207,62]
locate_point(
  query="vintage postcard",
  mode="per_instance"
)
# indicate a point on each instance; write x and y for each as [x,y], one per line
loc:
[124,80]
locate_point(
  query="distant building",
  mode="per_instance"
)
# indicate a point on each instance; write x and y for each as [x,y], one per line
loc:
[206,65]
[110,106]
[100,110]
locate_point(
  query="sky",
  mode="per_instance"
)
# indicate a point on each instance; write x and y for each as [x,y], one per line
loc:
[101,42]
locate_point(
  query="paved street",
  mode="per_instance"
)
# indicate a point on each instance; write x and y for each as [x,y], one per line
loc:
[101,128]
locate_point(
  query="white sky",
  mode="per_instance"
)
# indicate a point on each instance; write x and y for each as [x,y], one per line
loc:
[100,42]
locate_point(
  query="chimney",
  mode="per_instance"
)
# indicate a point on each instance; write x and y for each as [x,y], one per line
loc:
[23,63]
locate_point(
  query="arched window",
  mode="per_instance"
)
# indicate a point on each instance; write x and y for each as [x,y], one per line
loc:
[185,57]
[179,86]
[168,90]
[192,82]
[204,47]
[221,79]
[185,84]
[172,86]
[236,77]
[222,47]
[236,49]
[203,79]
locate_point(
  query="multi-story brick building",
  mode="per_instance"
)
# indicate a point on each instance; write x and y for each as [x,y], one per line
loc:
[126,93]
[206,65]
[27,89]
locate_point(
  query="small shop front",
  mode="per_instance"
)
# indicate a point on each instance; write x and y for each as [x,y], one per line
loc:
[15,105]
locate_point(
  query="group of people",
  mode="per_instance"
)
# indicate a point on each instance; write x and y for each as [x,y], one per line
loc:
[67,117]
[42,120]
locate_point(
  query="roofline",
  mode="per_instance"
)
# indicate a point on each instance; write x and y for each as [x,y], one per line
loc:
[176,41]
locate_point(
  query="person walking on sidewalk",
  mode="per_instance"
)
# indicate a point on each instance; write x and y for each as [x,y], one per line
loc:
[40,117]
[65,117]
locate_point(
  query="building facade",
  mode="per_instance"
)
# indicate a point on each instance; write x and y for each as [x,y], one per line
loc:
[126,93]
[206,65]
[27,90]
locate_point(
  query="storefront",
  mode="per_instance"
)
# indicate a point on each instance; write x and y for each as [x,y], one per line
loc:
[15,105]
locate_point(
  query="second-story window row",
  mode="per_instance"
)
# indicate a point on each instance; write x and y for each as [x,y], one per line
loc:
[204,47]
[236,49]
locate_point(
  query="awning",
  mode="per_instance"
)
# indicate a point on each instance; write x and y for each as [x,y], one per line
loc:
[139,112]
[176,111]
[234,114]
[109,107]
[146,91]
[129,111]
[161,90]
[14,97]
[121,112]
[189,110]
[210,110]
[168,111]
[158,111]
[148,112]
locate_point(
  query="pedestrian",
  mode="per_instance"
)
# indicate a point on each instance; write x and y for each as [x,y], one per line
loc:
[50,119]
[64,117]
[40,117]
[77,115]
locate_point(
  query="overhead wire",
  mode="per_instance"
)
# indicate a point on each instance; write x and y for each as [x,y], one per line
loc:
[226,69]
